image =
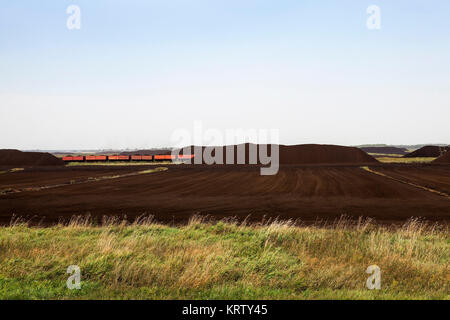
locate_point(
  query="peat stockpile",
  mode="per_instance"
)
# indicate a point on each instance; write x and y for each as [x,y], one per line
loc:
[385,150]
[11,157]
[427,152]
[150,152]
[445,158]
[323,154]
[296,154]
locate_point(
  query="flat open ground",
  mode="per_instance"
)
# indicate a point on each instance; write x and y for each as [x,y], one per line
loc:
[308,193]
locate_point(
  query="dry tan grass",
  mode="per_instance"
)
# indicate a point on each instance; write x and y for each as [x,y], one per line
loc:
[227,259]
[404,160]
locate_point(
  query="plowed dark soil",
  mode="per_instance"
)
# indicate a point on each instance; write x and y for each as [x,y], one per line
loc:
[308,193]
[41,176]
[434,177]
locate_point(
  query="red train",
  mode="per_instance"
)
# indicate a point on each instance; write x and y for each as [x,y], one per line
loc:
[127,158]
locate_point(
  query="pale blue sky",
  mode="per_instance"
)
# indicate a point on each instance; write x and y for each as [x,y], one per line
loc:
[138,70]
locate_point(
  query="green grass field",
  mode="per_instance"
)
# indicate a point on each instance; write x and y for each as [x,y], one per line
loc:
[146,260]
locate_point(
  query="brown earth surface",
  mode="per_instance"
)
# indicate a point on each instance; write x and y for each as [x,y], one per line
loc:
[433,177]
[44,176]
[385,150]
[293,154]
[445,158]
[427,152]
[305,192]
[11,157]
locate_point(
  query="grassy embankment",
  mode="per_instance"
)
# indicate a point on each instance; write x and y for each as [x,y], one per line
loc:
[395,158]
[224,260]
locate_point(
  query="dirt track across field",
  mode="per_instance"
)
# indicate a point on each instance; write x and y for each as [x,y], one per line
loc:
[78,180]
[308,193]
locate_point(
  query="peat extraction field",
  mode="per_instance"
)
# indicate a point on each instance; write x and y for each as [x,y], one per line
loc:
[231,157]
[389,193]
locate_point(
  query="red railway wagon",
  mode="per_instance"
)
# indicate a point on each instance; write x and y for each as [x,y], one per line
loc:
[119,158]
[96,158]
[159,157]
[138,157]
[73,158]
[164,157]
